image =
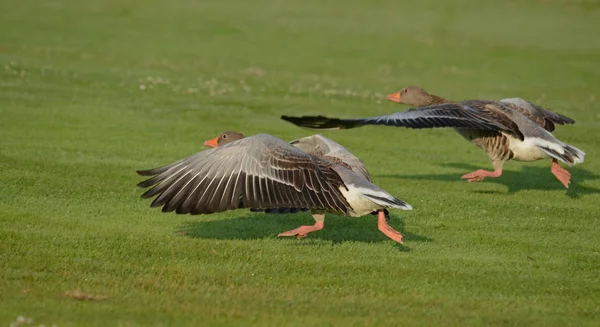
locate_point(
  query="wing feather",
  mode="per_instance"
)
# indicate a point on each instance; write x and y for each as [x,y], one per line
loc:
[472,114]
[541,116]
[260,172]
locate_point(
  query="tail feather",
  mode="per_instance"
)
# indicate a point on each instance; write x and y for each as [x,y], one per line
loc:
[570,156]
[322,122]
[388,201]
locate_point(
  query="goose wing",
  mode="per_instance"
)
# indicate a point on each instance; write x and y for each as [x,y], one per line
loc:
[543,117]
[474,114]
[259,172]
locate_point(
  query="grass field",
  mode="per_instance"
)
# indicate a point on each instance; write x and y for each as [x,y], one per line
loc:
[92,91]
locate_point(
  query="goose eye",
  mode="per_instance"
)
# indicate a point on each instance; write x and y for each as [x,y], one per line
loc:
[224,136]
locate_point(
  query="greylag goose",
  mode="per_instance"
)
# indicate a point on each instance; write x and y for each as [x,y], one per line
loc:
[507,129]
[264,173]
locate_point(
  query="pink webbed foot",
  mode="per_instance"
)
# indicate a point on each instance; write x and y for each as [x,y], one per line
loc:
[302,231]
[560,173]
[480,174]
[387,229]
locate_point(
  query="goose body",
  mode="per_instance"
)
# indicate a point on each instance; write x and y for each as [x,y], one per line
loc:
[526,150]
[264,173]
[507,129]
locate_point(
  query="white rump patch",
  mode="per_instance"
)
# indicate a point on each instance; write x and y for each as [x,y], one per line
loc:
[529,149]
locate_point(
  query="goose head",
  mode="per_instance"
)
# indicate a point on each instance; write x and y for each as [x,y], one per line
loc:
[412,95]
[224,138]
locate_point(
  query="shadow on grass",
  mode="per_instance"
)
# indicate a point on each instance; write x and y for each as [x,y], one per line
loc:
[259,225]
[528,178]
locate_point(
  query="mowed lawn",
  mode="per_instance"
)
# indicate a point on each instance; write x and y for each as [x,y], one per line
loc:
[92,91]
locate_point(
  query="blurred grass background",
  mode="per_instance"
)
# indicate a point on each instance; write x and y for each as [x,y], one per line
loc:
[92,91]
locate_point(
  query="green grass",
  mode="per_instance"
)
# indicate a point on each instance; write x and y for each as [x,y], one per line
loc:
[92,91]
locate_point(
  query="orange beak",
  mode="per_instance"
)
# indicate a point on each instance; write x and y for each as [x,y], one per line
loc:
[213,143]
[394,97]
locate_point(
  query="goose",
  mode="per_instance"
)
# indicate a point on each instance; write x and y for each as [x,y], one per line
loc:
[264,173]
[508,129]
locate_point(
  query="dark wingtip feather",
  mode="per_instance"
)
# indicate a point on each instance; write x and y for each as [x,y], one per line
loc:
[554,117]
[154,204]
[154,171]
[145,183]
[150,181]
[151,192]
[563,120]
[321,122]
[164,208]
[147,172]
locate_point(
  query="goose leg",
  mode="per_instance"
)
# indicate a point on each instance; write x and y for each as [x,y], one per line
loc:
[560,173]
[480,174]
[387,229]
[301,231]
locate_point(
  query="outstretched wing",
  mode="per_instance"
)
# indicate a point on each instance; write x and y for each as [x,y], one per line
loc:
[259,172]
[468,114]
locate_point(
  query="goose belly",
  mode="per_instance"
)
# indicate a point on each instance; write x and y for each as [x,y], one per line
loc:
[492,142]
[361,205]
[526,150]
